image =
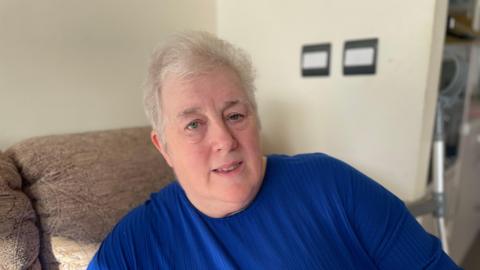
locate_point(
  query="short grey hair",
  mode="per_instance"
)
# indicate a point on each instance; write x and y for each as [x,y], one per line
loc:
[189,54]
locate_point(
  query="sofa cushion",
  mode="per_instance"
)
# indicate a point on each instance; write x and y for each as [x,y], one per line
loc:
[19,237]
[82,184]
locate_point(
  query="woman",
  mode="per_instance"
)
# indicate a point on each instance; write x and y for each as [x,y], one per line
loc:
[233,208]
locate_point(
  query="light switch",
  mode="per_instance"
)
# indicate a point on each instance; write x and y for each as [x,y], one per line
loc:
[360,57]
[315,60]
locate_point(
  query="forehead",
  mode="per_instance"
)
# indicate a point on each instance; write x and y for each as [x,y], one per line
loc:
[215,87]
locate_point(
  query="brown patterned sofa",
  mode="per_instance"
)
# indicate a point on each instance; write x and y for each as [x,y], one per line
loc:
[61,194]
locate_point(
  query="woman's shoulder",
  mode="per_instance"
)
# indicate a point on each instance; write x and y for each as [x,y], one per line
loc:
[134,230]
[305,158]
[308,163]
[158,201]
[320,173]
[136,221]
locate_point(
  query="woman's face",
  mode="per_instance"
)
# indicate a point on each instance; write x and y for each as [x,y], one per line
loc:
[212,141]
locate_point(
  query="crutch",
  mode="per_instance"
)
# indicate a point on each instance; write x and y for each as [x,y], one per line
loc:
[435,203]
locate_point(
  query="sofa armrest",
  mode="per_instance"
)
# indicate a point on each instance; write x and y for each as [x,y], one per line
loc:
[19,236]
[82,184]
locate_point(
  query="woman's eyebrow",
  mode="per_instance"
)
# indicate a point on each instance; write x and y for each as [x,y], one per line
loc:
[195,110]
[187,112]
[231,103]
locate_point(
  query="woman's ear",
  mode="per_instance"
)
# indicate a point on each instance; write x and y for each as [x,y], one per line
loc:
[160,147]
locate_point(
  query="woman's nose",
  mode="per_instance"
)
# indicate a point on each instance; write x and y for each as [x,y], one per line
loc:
[222,137]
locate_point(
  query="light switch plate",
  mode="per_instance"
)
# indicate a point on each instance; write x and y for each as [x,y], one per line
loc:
[360,57]
[315,60]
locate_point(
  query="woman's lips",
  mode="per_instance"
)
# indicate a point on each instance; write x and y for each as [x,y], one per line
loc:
[229,168]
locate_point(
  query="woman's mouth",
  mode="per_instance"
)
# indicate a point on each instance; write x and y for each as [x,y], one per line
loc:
[228,168]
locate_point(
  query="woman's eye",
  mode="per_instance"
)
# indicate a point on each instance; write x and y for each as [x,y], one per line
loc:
[235,117]
[193,125]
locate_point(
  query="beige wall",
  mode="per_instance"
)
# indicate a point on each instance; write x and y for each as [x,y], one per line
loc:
[76,66]
[68,66]
[381,124]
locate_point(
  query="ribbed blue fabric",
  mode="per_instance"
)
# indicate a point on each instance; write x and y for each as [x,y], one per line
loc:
[312,212]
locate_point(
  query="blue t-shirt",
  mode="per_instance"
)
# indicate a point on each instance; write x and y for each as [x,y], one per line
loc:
[312,212]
